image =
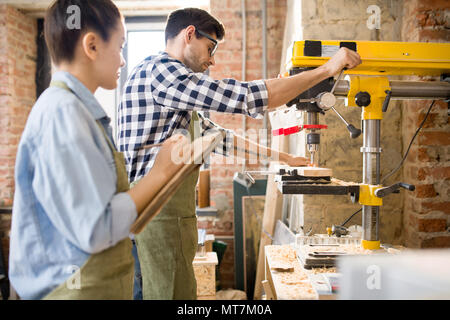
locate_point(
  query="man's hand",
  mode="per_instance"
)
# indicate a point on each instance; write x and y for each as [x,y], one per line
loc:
[281,91]
[344,58]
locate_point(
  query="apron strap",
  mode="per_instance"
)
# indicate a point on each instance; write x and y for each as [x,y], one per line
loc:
[60,84]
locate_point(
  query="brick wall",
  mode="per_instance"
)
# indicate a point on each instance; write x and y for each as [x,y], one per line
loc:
[17,96]
[229,65]
[426,211]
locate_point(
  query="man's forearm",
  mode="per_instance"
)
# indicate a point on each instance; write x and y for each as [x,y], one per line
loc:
[283,90]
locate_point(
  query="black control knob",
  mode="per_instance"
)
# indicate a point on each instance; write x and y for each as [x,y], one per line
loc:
[362,99]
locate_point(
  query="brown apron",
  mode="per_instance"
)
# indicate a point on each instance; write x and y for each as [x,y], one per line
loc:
[167,245]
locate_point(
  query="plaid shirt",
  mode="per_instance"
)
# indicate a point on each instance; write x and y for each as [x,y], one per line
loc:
[159,98]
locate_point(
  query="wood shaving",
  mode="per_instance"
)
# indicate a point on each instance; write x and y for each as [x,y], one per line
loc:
[285,254]
[347,248]
[323,270]
[282,266]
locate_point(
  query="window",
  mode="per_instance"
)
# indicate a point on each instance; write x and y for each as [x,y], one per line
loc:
[145,37]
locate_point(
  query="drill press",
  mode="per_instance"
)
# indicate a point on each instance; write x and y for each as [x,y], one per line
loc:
[316,101]
[372,95]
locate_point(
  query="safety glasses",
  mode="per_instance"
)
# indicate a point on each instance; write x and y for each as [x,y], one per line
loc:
[216,44]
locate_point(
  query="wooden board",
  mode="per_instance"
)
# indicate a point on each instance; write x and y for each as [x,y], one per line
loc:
[252,214]
[272,212]
[197,151]
[314,172]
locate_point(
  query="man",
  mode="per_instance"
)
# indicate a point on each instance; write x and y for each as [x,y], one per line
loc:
[163,94]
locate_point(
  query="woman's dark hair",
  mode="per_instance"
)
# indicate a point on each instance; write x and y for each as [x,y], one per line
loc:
[67,20]
[200,19]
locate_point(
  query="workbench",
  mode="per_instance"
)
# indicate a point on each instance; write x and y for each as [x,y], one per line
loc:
[287,278]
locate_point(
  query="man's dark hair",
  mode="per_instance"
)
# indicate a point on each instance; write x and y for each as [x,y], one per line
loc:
[62,36]
[200,19]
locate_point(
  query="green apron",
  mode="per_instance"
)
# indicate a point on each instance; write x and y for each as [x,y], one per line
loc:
[107,274]
[167,245]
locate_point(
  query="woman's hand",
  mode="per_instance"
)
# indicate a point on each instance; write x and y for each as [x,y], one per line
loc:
[164,168]
[171,152]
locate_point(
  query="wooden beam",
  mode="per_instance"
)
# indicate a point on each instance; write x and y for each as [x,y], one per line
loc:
[273,208]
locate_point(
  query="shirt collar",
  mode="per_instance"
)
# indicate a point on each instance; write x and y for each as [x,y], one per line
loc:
[165,54]
[83,93]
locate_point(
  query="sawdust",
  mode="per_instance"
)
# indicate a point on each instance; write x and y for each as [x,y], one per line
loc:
[290,284]
[323,270]
[285,254]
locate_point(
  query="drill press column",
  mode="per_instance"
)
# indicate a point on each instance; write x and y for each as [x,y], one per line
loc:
[371,176]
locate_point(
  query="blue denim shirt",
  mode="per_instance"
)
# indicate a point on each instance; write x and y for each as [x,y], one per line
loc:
[65,203]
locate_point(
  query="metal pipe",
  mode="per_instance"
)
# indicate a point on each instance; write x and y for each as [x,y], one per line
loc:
[406,89]
[371,152]
[370,218]
[371,175]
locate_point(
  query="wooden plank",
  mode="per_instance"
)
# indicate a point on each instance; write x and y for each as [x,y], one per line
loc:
[252,214]
[209,242]
[268,276]
[272,212]
[314,171]
[268,290]
[192,160]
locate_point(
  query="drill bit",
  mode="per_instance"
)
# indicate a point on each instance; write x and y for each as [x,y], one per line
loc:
[313,153]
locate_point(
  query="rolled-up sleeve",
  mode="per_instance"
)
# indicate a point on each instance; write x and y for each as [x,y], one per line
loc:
[176,86]
[76,180]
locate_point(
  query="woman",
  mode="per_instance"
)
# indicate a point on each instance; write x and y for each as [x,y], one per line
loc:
[73,207]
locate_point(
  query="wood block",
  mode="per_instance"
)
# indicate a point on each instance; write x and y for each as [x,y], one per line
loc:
[203,189]
[268,290]
[282,267]
[209,242]
[205,274]
[314,172]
